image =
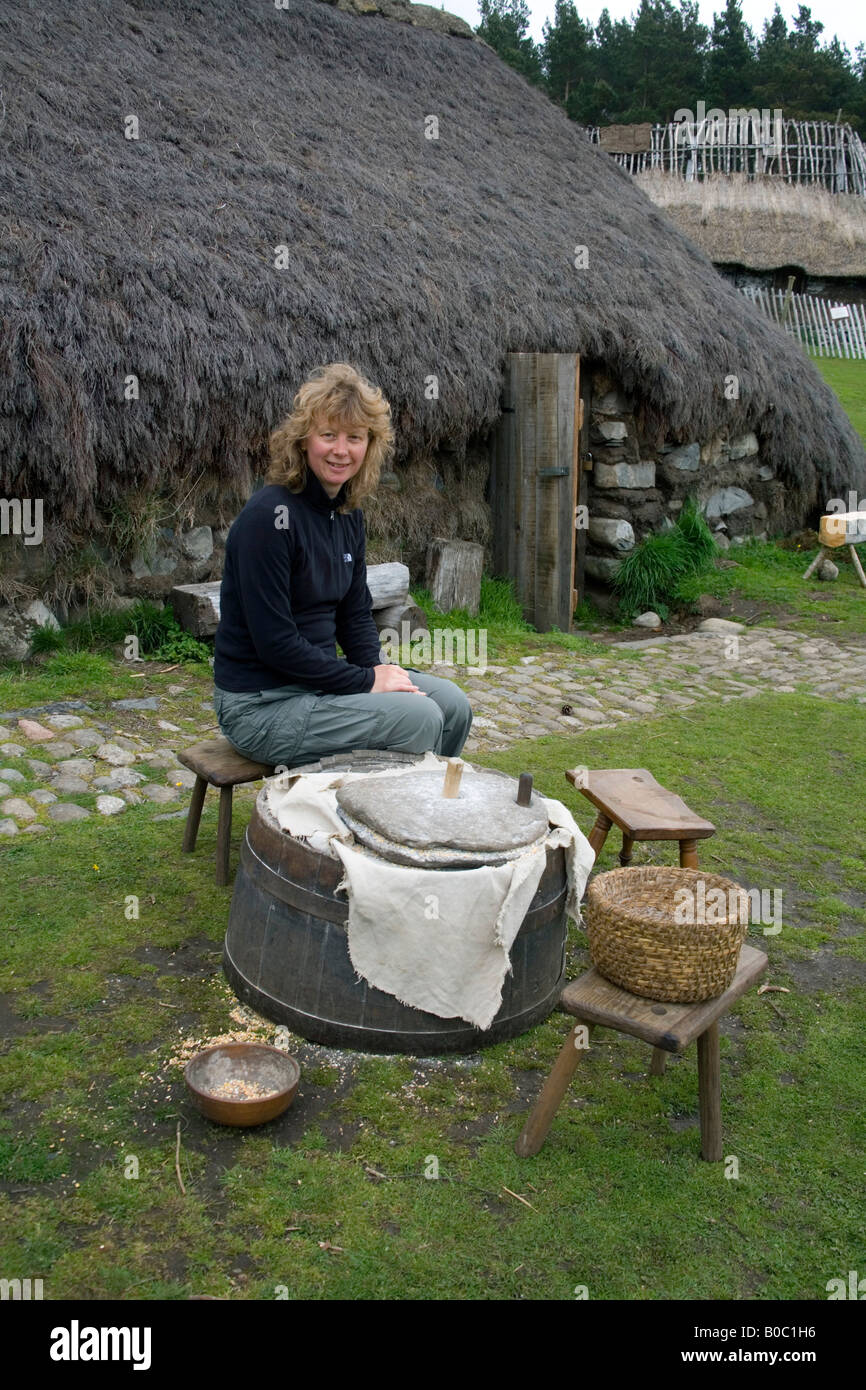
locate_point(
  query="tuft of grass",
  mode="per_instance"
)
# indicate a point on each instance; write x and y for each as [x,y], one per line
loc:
[652,575]
[160,635]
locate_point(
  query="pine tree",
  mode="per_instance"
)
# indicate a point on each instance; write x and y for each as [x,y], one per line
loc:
[504,25]
[731,62]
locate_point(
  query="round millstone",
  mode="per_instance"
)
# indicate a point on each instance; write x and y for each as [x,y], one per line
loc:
[410,810]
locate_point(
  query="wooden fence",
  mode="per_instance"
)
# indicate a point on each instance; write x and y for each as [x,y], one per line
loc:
[754,144]
[830,330]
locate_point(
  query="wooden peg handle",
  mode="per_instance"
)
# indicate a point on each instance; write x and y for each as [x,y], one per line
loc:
[453,773]
[524,789]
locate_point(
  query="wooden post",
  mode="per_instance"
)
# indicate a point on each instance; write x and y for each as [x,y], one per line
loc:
[534,1132]
[688,854]
[453,773]
[598,833]
[194,815]
[224,836]
[710,1094]
[659,1062]
[533,485]
[454,574]
[855,560]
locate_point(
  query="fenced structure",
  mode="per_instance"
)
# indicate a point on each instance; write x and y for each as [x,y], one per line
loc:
[757,144]
[830,330]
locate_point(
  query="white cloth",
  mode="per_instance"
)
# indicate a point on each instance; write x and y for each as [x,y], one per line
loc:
[436,939]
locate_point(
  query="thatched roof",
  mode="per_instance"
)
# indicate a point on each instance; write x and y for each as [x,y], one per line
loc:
[766,225]
[408,256]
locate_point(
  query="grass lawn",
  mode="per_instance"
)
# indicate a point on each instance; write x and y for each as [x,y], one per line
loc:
[95,1005]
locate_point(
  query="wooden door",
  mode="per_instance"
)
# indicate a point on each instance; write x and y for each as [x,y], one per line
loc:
[535,486]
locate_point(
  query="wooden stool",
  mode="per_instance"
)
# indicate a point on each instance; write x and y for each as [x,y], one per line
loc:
[216,764]
[631,798]
[596,1001]
[841,528]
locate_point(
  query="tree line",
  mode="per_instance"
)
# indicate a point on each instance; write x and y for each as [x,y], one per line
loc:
[664,59]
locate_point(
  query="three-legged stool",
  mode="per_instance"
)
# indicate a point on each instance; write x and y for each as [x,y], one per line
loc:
[216,764]
[593,1000]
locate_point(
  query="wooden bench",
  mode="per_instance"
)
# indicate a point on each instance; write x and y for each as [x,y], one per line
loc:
[595,1001]
[841,528]
[631,798]
[216,764]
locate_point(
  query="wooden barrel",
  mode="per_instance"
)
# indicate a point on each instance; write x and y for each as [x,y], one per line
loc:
[287,954]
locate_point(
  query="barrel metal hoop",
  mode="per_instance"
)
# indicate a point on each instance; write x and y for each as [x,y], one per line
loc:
[264,877]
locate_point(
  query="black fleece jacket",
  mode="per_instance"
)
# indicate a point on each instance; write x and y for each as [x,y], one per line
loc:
[294,584]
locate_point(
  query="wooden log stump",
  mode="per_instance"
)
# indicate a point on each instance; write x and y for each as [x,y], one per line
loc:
[454,574]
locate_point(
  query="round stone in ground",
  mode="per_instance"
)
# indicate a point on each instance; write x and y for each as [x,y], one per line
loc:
[11,774]
[181,777]
[75,767]
[85,738]
[113,754]
[32,729]
[120,777]
[13,750]
[64,721]
[110,805]
[35,829]
[68,786]
[60,749]
[153,792]
[38,768]
[42,797]
[8,827]
[67,811]
[15,806]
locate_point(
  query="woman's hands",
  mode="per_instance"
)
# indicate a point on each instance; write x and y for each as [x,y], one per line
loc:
[390,679]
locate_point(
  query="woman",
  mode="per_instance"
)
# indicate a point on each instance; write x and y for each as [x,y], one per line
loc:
[295,583]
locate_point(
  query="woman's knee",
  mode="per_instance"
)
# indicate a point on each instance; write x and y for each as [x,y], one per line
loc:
[417,728]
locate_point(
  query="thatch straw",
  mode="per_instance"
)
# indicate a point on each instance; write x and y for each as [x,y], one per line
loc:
[408,256]
[766,224]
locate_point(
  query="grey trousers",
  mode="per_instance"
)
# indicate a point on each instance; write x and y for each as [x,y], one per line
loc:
[293,725]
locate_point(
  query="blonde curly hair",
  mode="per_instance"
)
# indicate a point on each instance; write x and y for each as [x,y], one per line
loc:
[334,395]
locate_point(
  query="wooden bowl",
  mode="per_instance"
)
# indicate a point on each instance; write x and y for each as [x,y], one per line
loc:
[250,1062]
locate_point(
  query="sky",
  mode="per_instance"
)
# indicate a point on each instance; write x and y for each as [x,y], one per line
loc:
[842,17]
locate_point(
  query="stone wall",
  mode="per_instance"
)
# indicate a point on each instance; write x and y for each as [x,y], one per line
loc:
[637,487]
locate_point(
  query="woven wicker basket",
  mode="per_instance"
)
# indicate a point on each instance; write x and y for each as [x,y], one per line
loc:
[637,941]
